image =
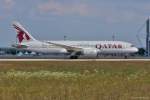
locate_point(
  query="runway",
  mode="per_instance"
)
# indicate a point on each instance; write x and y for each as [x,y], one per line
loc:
[73,60]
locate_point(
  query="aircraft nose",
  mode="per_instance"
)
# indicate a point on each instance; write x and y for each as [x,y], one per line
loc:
[135,49]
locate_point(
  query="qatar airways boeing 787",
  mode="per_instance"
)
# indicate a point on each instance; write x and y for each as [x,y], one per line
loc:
[72,48]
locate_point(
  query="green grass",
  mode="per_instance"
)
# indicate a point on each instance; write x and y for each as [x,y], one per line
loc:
[74,80]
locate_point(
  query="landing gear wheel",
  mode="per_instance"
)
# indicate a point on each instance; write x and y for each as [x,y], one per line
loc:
[73,57]
[125,57]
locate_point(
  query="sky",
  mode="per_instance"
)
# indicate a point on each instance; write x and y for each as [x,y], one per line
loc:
[76,19]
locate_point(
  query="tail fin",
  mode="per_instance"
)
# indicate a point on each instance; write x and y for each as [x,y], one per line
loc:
[22,34]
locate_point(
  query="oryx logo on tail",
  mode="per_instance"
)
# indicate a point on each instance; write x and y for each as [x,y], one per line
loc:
[22,34]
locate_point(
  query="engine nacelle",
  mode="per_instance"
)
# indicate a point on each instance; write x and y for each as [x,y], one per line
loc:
[90,52]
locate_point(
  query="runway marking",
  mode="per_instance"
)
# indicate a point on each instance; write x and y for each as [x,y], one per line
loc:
[72,60]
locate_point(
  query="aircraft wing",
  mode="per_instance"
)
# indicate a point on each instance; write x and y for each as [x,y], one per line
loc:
[67,47]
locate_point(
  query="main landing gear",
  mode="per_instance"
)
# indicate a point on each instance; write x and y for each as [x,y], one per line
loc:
[74,57]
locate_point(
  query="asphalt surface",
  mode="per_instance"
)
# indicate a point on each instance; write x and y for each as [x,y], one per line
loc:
[115,60]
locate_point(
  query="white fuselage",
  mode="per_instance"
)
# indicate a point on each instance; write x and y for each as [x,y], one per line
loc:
[108,47]
[73,48]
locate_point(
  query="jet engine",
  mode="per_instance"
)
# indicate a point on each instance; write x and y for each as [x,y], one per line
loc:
[90,52]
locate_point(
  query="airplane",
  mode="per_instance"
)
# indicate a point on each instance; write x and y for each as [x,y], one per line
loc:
[74,49]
